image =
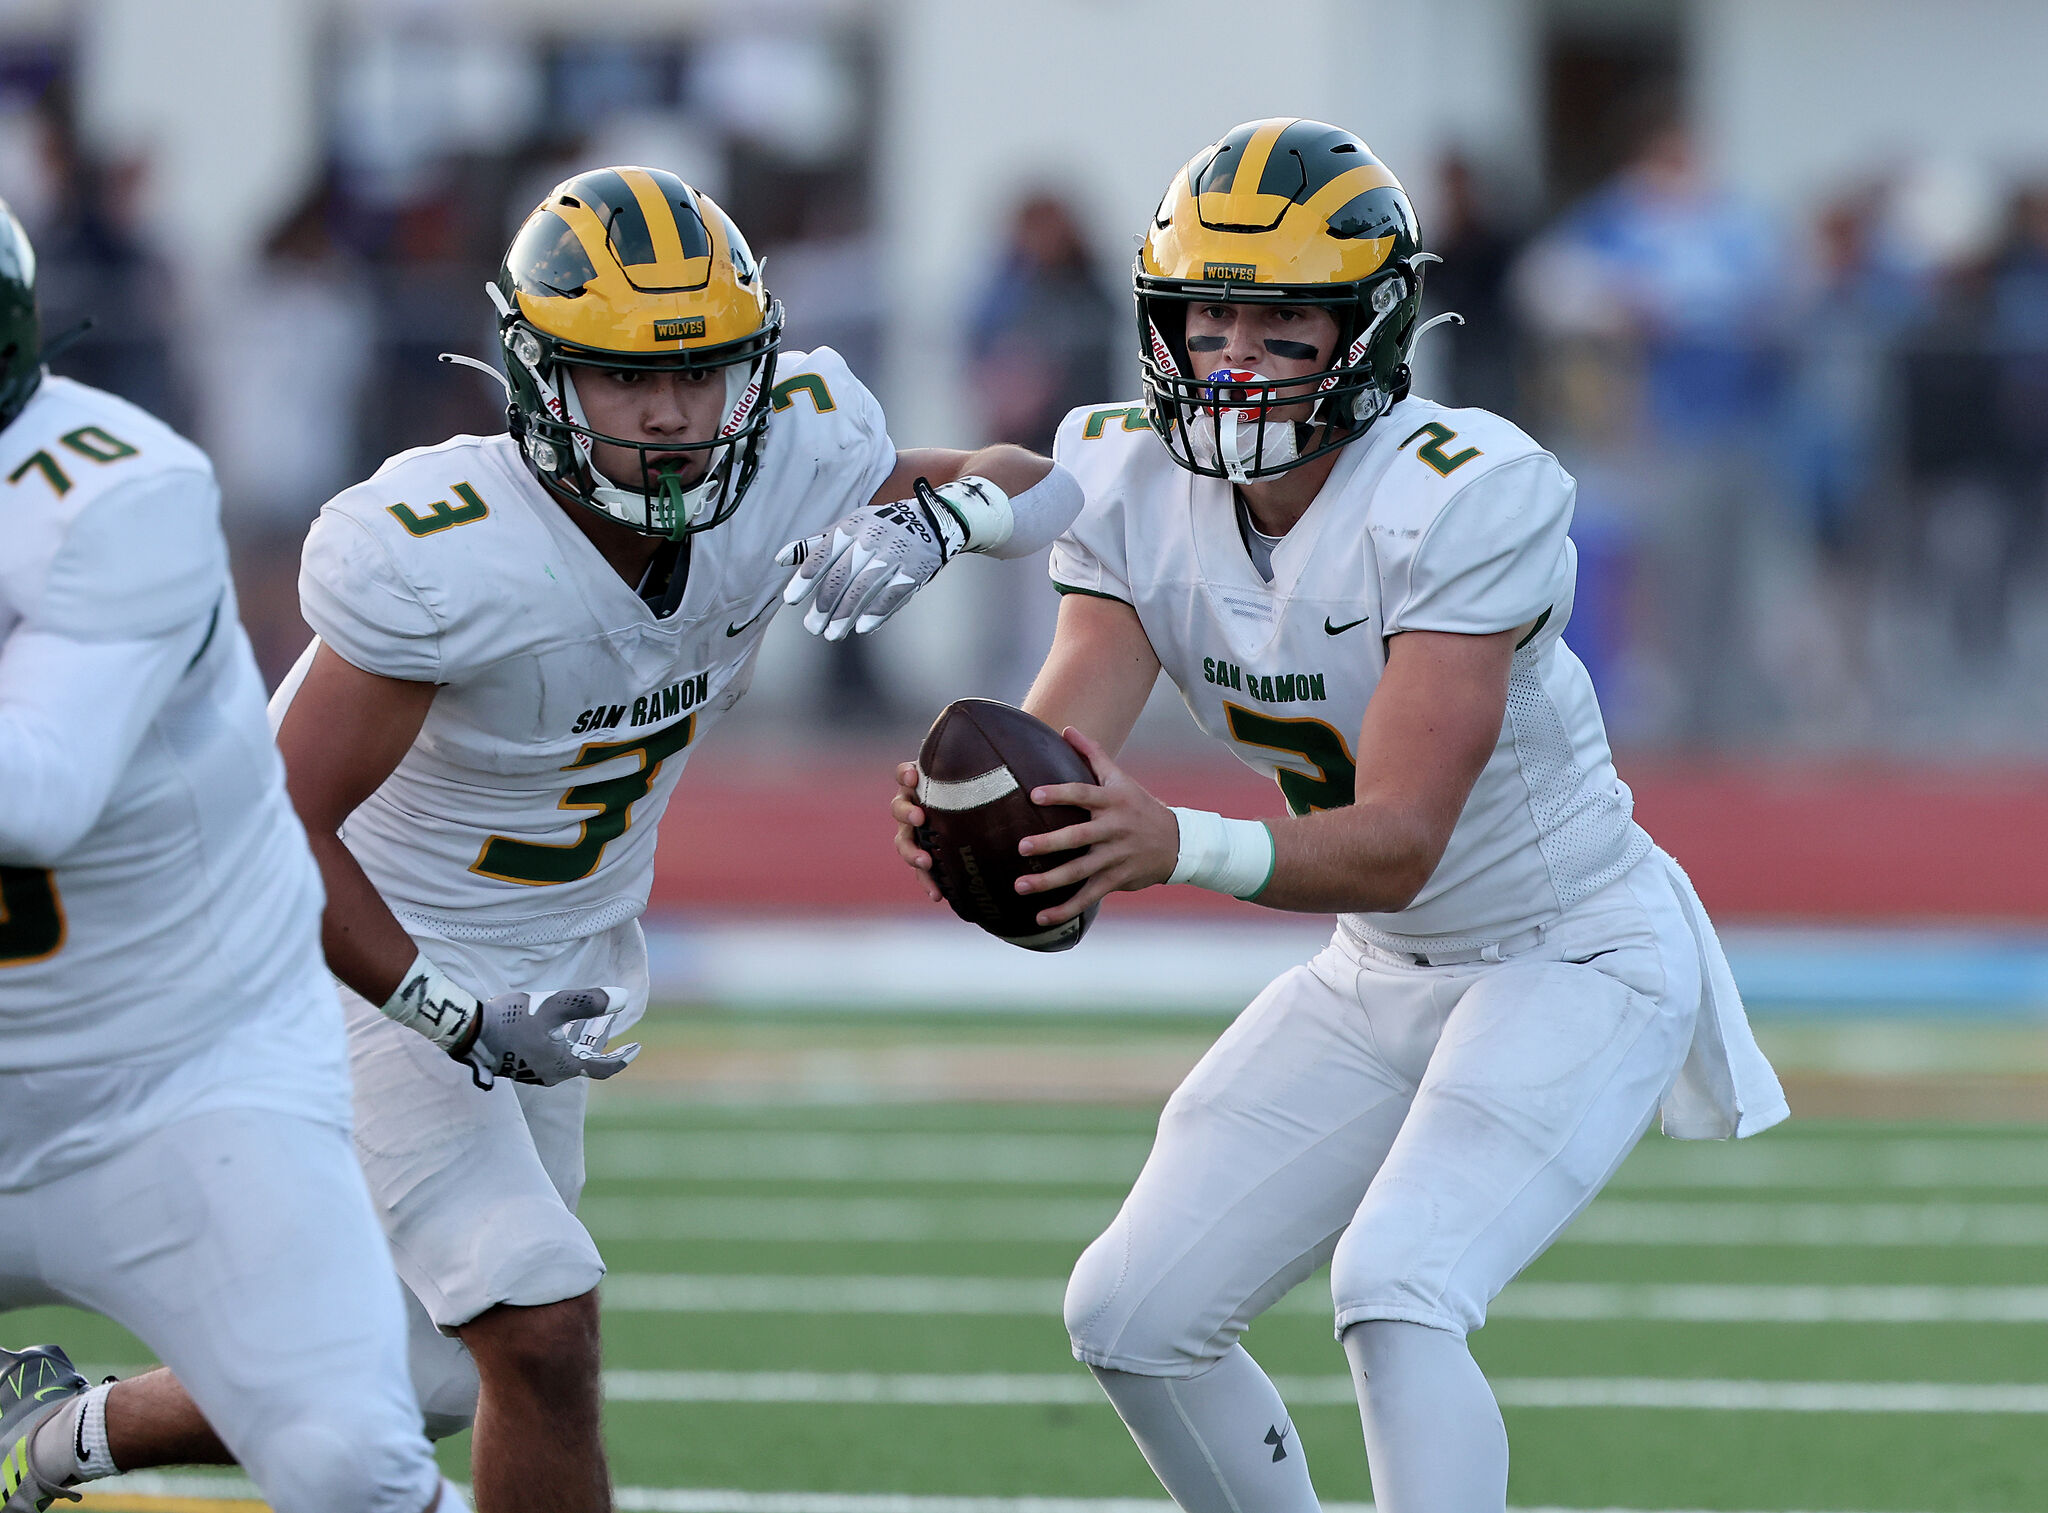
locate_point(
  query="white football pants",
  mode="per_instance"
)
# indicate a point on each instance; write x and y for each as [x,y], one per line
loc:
[239,1245]
[1429,1130]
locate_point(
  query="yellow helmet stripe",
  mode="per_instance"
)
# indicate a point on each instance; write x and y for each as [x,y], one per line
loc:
[588,228]
[1348,186]
[661,222]
[1242,204]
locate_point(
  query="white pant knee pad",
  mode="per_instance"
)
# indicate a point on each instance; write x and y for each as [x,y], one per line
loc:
[339,1463]
[1122,1321]
[1383,1268]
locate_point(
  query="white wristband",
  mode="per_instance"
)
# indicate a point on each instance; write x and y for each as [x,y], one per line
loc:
[1227,856]
[428,1002]
[982,511]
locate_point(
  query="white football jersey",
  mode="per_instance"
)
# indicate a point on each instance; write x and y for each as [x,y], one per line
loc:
[193,901]
[1437,519]
[526,810]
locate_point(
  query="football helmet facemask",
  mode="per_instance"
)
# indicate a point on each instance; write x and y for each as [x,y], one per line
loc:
[1279,212]
[632,269]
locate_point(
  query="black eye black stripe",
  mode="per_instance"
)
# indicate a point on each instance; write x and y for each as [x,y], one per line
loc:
[1301,351]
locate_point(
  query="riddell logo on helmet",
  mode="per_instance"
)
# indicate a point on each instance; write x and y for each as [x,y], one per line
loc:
[1242,273]
[680,329]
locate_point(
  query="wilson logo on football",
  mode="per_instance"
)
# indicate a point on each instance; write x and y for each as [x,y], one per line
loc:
[679,329]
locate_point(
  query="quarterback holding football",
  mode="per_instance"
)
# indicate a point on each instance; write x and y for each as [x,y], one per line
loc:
[1362,594]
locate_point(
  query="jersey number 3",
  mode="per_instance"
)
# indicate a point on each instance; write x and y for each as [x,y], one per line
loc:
[31,918]
[613,798]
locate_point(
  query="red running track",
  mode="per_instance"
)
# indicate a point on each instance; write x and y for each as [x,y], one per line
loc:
[1780,840]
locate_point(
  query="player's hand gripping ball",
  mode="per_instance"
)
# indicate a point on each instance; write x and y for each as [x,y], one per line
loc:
[976,769]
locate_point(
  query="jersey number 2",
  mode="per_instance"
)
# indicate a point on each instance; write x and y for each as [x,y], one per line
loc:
[31,918]
[1335,782]
[1432,450]
[613,798]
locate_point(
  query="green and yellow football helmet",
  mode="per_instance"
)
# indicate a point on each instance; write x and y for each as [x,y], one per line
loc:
[631,268]
[21,329]
[1278,212]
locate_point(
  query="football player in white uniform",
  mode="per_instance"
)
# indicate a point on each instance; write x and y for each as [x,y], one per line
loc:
[1361,593]
[174,1111]
[520,639]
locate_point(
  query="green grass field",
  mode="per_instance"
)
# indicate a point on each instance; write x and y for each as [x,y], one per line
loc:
[816,1294]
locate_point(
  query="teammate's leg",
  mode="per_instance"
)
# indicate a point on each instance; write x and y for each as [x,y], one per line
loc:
[539,1441]
[471,1189]
[1262,1155]
[239,1245]
[1545,1076]
[539,1416]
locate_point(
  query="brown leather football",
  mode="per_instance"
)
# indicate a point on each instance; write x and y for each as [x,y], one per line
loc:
[976,769]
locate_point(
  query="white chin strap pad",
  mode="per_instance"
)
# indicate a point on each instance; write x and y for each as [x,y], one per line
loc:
[1233,443]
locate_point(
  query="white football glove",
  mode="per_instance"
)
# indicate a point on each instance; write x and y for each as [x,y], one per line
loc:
[549,1036]
[867,566]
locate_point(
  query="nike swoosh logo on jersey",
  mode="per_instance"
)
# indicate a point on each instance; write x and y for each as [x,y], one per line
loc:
[734,630]
[1338,630]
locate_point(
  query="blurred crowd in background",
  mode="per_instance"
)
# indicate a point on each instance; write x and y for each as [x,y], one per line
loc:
[1812,450]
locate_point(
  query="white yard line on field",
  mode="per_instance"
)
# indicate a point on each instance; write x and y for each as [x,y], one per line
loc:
[1961,1161]
[934,1390]
[789,1156]
[213,1491]
[1090,1159]
[1610,1221]
[1634,1221]
[1040,1297]
[836,1220]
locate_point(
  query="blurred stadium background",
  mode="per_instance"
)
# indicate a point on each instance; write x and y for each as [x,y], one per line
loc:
[1771,276]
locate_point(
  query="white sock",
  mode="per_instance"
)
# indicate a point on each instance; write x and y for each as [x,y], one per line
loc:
[1433,1433]
[1220,1442]
[70,1446]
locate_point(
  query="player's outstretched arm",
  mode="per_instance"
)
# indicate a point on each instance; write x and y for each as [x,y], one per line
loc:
[1001,501]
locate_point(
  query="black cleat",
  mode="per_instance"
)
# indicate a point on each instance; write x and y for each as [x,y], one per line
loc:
[34,1383]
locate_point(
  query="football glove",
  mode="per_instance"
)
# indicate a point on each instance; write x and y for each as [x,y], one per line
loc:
[549,1036]
[867,566]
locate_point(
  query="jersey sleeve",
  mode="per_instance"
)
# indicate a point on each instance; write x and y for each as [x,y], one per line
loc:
[1093,556]
[358,602]
[854,444]
[140,561]
[1495,557]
